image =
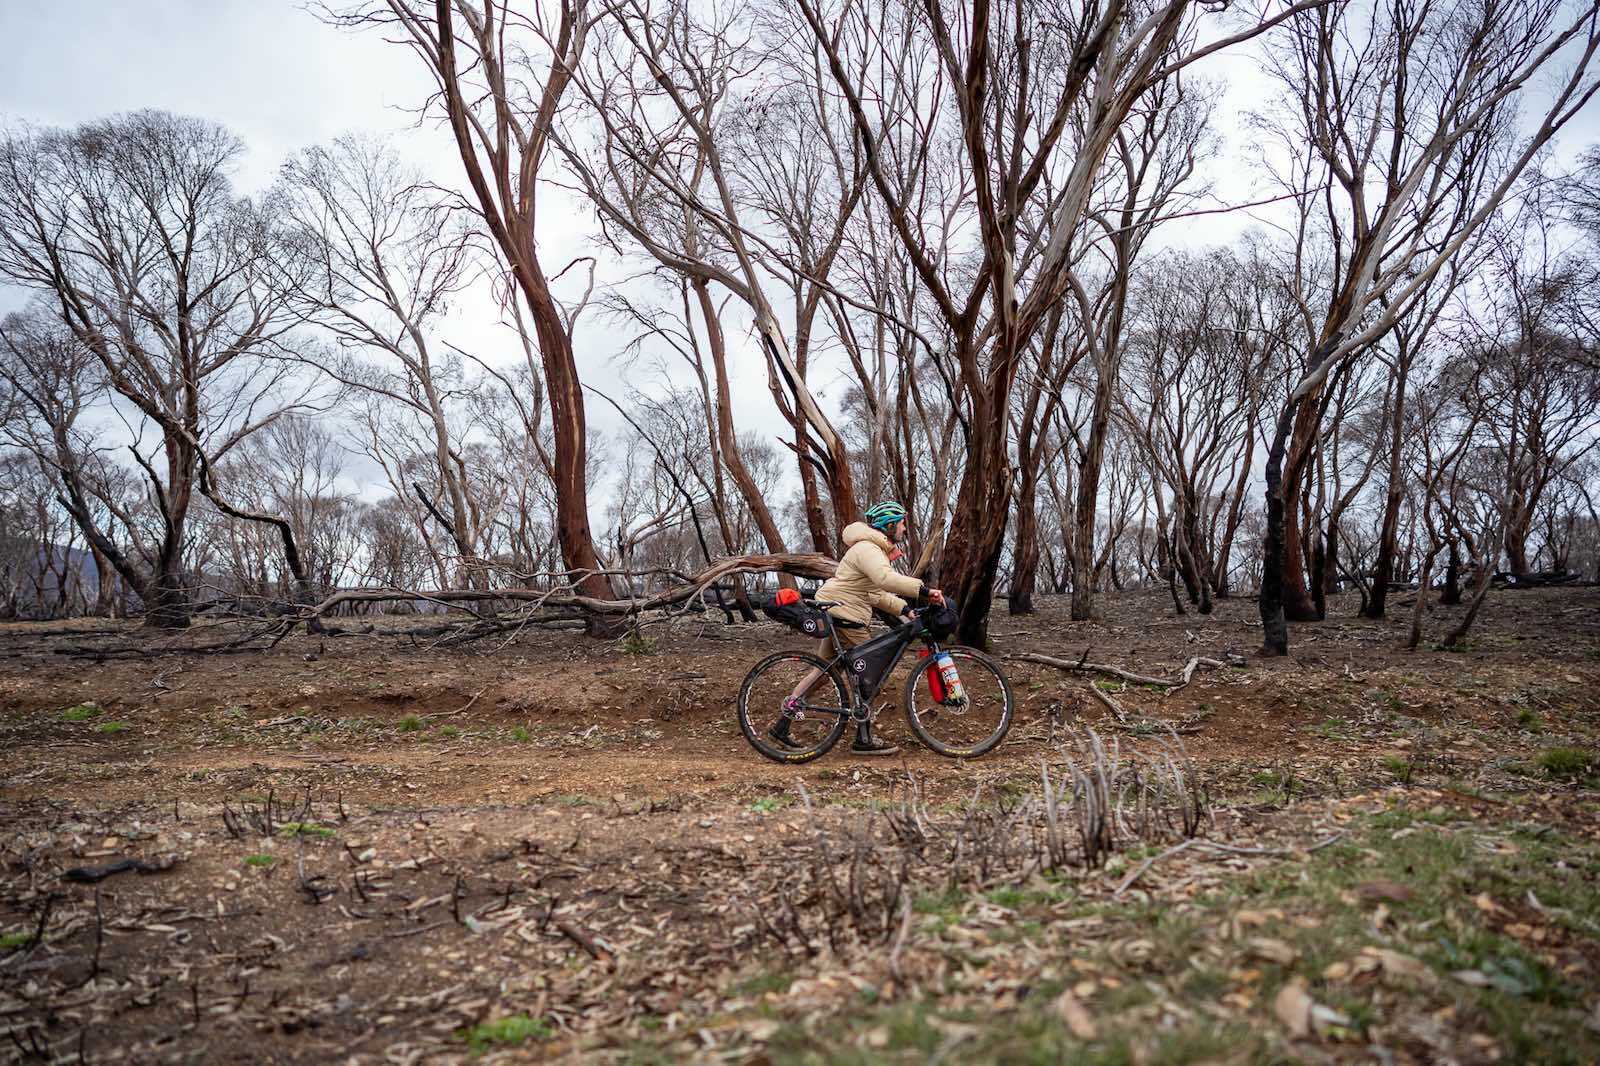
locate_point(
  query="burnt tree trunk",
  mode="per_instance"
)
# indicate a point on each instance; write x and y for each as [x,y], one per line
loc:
[1087,497]
[978,525]
[510,219]
[1389,534]
[1452,577]
[1270,598]
[732,457]
[1025,564]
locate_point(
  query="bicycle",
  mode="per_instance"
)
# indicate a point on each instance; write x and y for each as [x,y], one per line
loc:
[974,720]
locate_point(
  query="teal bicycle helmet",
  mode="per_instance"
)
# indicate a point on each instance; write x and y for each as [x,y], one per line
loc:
[883,516]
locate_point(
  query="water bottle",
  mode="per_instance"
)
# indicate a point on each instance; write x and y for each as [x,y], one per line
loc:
[954,693]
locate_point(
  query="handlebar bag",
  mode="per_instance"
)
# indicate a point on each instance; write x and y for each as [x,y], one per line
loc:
[942,620]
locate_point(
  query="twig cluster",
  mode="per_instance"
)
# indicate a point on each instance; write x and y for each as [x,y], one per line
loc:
[857,878]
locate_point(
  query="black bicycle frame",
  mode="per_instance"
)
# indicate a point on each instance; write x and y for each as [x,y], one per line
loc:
[855,662]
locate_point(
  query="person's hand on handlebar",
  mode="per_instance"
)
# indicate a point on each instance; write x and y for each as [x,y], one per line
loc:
[936,596]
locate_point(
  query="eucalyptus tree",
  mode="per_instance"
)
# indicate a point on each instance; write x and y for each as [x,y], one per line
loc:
[1018,92]
[502,71]
[676,158]
[1399,126]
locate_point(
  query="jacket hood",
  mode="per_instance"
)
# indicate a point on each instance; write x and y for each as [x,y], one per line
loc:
[856,532]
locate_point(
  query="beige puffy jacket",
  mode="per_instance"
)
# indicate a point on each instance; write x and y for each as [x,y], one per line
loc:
[865,579]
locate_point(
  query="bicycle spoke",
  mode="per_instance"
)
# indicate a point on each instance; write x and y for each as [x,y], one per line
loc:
[968,725]
[770,716]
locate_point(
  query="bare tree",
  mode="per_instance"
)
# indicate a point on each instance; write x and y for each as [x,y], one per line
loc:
[1193,402]
[1019,93]
[130,228]
[502,74]
[1400,119]
[1536,385]
[1154,156]
[376,261]
[660,87]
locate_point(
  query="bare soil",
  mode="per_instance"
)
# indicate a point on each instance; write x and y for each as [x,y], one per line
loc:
[379,850]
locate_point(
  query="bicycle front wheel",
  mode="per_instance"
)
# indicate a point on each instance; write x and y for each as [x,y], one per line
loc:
[793,732]
[961,728]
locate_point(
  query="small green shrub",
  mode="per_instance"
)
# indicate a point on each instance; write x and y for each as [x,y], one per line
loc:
[449,732]
[1566,762]
[1009,897]
[112,727]
[259,860]
[637,642]
[521,735]
[410,724]
[1528,719]
[81,713]
[1401,768]
[508,1031]
[1335,728]
[13,941]
[767,804]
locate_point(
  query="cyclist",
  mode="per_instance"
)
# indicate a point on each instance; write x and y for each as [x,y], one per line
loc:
[864,580]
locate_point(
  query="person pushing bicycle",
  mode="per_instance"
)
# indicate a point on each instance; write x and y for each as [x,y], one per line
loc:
[865,579]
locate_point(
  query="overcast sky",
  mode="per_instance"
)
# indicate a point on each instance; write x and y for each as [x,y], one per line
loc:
[282,80]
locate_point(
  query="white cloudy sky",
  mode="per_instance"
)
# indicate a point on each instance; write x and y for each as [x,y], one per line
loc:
[282,80]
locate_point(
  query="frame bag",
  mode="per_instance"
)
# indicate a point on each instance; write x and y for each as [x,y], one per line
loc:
[871,662]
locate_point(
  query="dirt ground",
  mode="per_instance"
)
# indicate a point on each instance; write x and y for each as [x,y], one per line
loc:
[366,848]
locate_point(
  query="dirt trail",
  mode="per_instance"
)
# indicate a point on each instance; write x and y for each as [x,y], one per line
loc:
[560,714]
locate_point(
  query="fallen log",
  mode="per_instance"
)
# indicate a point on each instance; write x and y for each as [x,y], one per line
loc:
[805,564]
[1085,666]
[1128,722]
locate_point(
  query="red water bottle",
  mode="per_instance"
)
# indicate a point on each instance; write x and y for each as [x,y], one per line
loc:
[935,680]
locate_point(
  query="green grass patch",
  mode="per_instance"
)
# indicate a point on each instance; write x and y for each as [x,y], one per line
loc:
[773,981]
[449,732]
[1010,897]
[521,735]
[304,829]
[1401,768]
[13,941]
[260,860]
[1275,787]
[768,804]
[510,1031]
[81,713]
[112,727]
[1440,887]
[410,724]
[1335,728]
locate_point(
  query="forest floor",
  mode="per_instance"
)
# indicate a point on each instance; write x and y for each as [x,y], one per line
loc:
[369,849]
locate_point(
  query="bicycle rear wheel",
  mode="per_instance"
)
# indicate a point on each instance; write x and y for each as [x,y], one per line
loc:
[813,727]
[970,727]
